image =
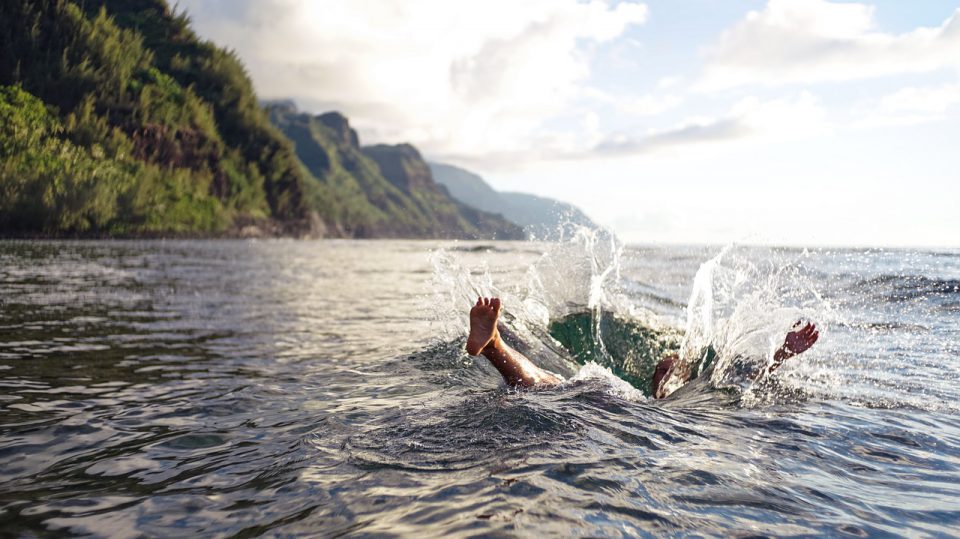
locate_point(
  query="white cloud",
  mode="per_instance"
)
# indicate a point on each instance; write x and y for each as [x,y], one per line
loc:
[635,105]
[750,119]
[931,100]
[668,82]
[451,77]
[695,132]
[909,106]
[775,119]
[809,41]
[784,118]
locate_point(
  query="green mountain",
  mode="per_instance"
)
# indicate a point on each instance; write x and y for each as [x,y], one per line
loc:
[378,191]
[115,118]
[541,217]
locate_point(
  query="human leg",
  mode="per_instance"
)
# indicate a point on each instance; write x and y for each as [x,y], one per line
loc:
[484,339]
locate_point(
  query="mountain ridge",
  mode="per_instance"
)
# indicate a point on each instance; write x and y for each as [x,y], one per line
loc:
[117,119]
[385,190]
[541,217]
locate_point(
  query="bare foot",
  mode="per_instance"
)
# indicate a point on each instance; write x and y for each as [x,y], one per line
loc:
[483,325]
[796,342]
[799,341]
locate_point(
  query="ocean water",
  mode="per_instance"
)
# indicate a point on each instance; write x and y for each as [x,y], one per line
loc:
[287,388]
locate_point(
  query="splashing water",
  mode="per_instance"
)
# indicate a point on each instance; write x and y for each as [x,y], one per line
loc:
[580,273]
[590,299]
[741,306]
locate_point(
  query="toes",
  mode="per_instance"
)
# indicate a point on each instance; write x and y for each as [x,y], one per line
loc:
[489,302]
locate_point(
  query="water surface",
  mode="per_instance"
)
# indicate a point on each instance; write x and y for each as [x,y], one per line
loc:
[319,388]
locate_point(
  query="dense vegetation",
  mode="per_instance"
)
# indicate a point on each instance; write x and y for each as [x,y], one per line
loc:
[116,118]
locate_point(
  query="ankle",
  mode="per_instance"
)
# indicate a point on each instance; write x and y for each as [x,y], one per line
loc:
[494,345]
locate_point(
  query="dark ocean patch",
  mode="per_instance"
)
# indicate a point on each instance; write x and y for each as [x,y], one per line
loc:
[896,288]
[627,347]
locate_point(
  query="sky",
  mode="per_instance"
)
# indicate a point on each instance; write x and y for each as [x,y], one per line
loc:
[798,122]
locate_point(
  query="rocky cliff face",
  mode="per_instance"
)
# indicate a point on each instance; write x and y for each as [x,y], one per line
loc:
[344,135]
[378,191]
[403,166]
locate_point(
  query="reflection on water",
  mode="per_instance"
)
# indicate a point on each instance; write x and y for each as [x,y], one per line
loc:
[281,387]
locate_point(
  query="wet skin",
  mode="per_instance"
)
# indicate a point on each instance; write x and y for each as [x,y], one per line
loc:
[484,339]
